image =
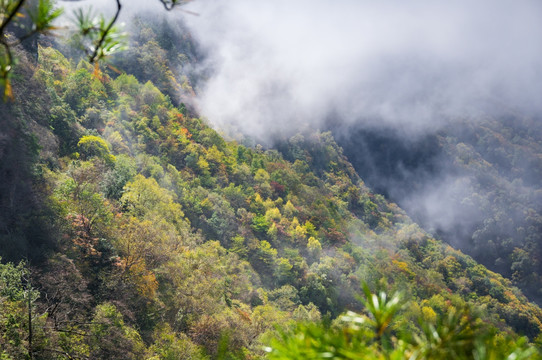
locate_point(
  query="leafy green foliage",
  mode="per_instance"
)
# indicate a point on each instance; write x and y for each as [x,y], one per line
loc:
[90,146]
[171,242]
[454,335]
[43,15]
[99,37]
[17,303]
[12,14]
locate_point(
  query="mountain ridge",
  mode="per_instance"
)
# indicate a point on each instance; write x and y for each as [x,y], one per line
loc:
[148,235]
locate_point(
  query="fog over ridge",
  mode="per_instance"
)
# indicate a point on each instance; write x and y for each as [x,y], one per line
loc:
[419,94]
[385,76]
[413,64]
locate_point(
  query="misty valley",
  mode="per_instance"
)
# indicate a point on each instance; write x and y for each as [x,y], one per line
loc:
[244,180]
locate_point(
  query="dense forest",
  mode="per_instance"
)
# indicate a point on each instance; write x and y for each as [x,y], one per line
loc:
[493,169]
[131,229]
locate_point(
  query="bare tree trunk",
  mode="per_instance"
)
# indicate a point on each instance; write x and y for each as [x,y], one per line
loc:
[29,296]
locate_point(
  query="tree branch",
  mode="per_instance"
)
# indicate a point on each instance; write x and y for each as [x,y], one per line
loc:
[168,5]
[105,33]
[11,16]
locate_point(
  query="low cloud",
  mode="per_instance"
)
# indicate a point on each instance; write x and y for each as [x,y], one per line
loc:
[278,66]
[396,70]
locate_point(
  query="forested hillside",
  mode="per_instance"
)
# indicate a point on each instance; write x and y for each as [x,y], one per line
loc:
[130,229]
[486,173]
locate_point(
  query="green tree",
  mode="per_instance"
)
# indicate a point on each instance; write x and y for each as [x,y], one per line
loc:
[169,345]
[20,337]
[94,146]
[111,338]
[13,31]
[98,36]
[146,199]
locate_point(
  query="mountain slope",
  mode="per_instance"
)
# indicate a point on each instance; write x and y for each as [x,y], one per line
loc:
[161,238]
[476,184]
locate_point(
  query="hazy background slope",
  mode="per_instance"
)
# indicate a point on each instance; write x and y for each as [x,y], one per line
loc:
[476,186]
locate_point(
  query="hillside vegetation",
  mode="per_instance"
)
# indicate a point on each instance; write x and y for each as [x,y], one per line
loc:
[487,176]
[130,229]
